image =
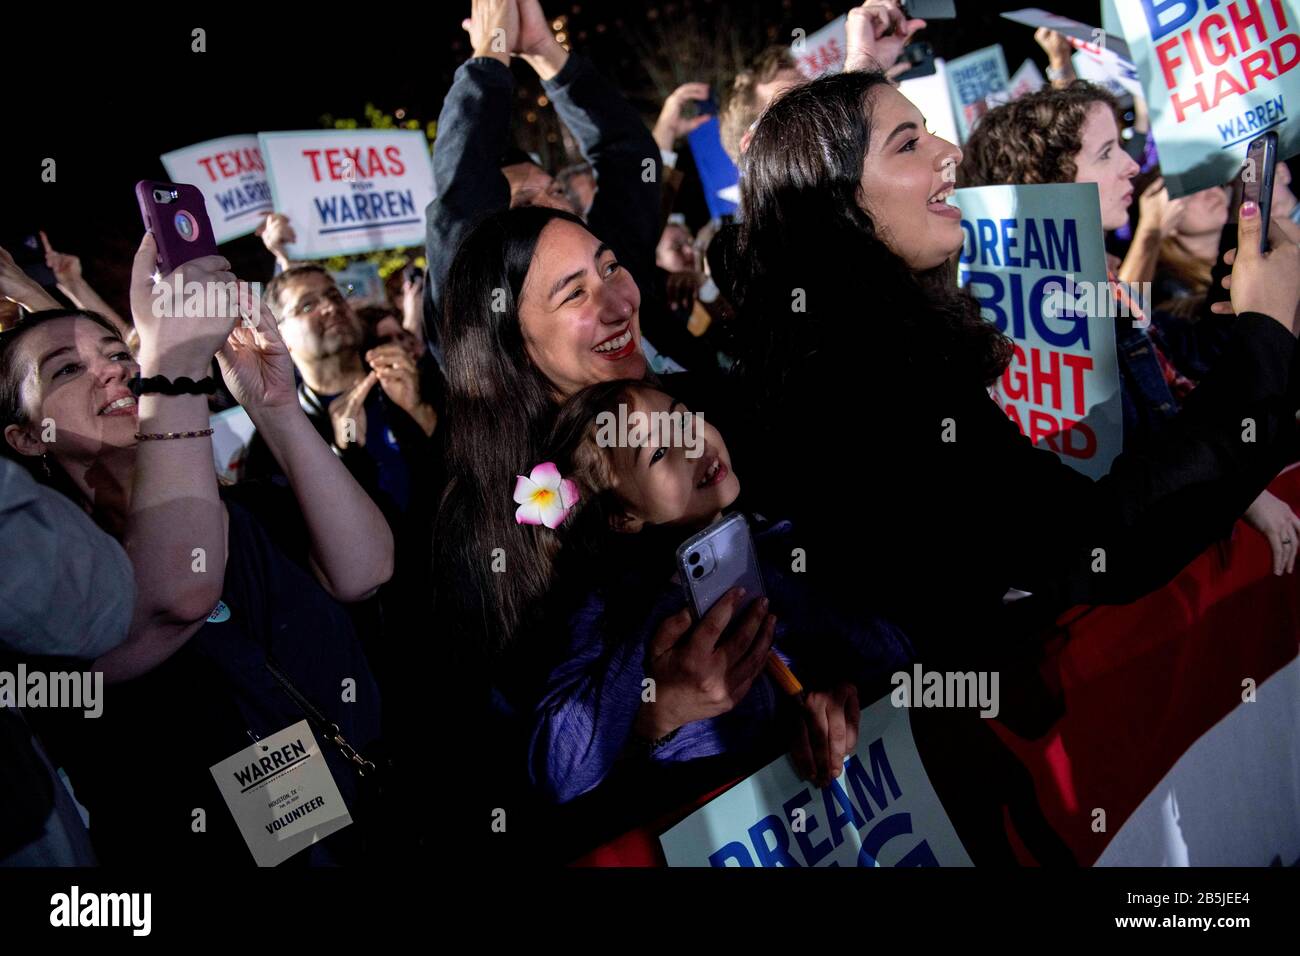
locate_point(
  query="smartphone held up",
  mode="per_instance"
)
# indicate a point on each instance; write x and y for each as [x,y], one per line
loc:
[177,215]
[1257,175]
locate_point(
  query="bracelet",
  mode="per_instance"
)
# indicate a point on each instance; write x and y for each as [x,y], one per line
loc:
[158,384]
[163,436]
[646,747]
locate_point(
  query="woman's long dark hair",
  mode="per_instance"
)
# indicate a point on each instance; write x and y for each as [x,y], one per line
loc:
[805,233]
[500,408]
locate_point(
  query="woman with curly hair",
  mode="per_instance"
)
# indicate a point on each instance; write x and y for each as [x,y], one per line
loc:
[1071,135]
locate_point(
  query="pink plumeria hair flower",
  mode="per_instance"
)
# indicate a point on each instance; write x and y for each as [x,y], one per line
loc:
[544,497]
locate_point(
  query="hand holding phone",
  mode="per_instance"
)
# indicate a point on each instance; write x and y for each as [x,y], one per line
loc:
[722,557]
[1257,179]
[1267,282]
[675,120]
[1254,182]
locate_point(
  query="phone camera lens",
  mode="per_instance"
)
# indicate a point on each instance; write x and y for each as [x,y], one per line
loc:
[697,572]
[186,226]
[694,558]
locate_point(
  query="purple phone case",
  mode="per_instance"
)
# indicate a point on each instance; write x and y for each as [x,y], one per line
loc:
[174,249]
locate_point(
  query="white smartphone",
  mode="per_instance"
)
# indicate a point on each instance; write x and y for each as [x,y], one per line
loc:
[719,558]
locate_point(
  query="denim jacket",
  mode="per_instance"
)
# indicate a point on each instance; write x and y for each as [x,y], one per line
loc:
[1147,399]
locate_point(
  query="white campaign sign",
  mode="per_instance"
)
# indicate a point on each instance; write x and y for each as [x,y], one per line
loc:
[350,191]
[883,811]
[1099,64]
[932,96]
[824,51]
[231,175]
[232,432]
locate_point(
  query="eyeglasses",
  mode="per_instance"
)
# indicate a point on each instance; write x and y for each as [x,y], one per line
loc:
[308,305]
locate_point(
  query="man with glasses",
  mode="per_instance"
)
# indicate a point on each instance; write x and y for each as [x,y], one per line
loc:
[369,406]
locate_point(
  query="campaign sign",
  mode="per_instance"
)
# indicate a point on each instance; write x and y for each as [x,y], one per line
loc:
[882,811]
[973,79]
[232,177]
[1217,74]
[718,174]
[932,96]
[824,51]
[350,191]
[1035,259]
[232,433]
[1105,67]
[1027,79]
[1034,17]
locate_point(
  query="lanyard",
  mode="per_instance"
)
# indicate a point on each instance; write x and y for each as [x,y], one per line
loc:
[325,725]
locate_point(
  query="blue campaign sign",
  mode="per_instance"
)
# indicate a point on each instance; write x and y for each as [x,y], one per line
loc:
[718,173]
[973,79]
[1216,75]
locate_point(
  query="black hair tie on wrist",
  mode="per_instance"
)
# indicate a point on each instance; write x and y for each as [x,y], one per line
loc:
[158,384]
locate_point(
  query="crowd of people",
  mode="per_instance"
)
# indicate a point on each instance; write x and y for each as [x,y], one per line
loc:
[429,477]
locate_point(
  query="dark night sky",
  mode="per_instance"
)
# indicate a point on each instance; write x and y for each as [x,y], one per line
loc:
[106,97]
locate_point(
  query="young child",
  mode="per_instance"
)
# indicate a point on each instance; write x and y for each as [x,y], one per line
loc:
[642,492]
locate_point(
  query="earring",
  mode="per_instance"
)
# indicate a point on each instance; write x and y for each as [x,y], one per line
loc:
[45,463]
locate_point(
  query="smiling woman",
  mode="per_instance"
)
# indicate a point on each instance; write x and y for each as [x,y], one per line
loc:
[67,370]
[848,299]
[578,310]
[216,597]
[536,307]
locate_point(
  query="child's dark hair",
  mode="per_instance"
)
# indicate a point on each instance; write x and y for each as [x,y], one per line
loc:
[589,555]
[572,446]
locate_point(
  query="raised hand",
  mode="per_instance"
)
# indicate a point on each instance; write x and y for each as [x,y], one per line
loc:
[1056,45]
[66,268]
[1157,213]
[493,28]
[348,413]
[173,341]
[671,125]
[277,233]
[17,286]
[876,32]
[1268,283]
[255,362]
[397,375]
